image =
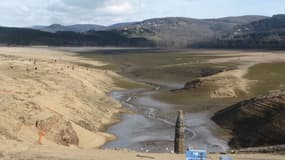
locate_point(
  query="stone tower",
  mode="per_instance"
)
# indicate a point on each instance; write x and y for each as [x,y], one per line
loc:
[179,134]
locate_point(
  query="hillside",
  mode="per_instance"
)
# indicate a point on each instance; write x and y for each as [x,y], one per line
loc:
[74,28]
[181,32]
[41,92]
[167,32]
[228,32]
[256,122]
[266,33]
[23,36]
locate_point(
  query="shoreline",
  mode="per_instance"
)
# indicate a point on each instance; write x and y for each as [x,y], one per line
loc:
[237,75]
[28,148]
[56,91]
[72,57]
[162,121]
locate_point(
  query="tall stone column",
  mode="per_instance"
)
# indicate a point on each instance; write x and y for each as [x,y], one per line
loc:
[179,134]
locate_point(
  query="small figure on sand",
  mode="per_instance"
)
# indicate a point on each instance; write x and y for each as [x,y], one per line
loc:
[41,131]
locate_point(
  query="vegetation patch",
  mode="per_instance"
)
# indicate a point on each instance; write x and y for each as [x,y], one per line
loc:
[269,76]
[170,66]
[195,100]
[128,84]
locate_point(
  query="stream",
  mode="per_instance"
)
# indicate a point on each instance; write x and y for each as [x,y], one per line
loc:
[150,128]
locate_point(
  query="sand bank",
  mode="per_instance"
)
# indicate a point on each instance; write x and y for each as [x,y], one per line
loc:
[230,83]
[68,102]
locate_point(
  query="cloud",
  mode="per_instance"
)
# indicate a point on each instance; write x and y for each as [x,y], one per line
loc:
[46,12]
[119,8]
[95,6]
[85,3]
[91,11]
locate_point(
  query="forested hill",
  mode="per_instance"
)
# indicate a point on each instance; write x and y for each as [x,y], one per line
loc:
[267,33]
[23,36]
[229,32]
[176,32]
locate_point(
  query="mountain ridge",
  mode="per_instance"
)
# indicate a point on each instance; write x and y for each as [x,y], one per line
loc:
[181,31]
[123,24]
[170,32]
[268,33]
[166,31]
[74,28]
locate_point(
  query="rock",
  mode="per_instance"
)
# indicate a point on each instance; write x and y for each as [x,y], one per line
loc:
[193,84]
[256,122]
[58,130]
[67,136]
[267,149]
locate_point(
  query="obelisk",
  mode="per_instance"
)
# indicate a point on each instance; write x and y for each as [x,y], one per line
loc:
[179,134]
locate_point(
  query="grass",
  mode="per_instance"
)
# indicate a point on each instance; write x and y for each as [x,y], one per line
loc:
[128,84]
[269,76]
[119,82]
[195,99]
[170,66]
[179,67]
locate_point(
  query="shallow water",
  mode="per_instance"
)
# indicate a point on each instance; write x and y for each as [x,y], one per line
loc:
[151,127]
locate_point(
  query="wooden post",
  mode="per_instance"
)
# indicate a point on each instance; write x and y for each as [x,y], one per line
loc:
[179,134]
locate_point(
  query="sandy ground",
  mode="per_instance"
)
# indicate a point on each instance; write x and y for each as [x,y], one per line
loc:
[69,102]
[230,83]
[47,92]
[16,150]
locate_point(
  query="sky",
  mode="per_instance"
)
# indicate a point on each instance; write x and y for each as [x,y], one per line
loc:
[23,13]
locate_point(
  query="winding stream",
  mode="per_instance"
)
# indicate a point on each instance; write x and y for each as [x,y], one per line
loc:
[151,127]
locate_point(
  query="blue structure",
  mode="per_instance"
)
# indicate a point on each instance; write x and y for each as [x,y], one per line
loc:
[225,158]
[196,155]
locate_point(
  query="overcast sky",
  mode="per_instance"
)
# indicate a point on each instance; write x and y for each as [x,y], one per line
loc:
[44,12]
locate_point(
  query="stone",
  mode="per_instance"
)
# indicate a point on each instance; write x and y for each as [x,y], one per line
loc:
[68,136]
[179,134]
